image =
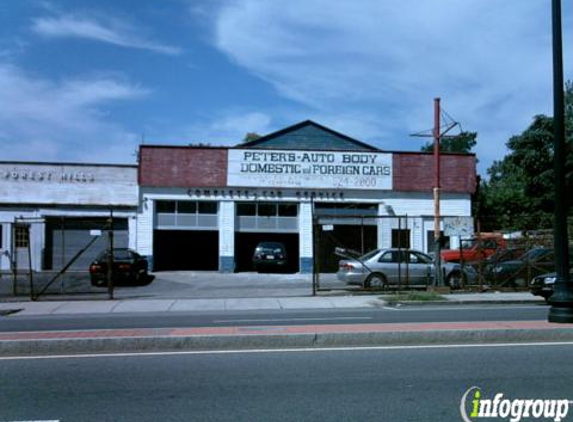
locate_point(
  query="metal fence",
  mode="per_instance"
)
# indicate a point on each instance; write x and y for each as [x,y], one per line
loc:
[52,255]
[504,259]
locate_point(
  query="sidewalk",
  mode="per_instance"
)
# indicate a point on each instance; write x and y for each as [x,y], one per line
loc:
[102,306]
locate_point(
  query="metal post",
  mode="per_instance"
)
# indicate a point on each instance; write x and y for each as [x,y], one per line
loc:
[14,259]
[437,237]
[562,299]
[110,284]
[30,265]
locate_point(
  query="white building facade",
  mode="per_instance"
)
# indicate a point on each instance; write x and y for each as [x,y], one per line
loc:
[50,211]
[206,208]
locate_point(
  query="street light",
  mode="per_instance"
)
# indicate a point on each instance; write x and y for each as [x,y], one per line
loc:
[562,299]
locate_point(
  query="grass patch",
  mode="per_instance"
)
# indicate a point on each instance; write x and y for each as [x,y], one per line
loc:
[414,297]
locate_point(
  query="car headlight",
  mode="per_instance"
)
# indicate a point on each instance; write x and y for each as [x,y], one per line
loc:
[497,269]
[549,280]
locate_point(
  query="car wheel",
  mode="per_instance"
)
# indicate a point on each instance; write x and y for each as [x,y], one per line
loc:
[455,280]
[376,281]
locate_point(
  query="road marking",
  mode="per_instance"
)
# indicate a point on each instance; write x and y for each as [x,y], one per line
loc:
[301,350]
[290,319]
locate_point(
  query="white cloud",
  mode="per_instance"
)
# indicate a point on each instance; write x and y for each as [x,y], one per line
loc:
[109,30]
[43,120]
[227,128]
[489,61]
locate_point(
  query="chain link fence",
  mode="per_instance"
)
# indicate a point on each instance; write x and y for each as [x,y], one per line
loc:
[471,259]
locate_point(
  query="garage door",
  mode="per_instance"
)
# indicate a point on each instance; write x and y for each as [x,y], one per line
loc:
[66,237]
[185,250]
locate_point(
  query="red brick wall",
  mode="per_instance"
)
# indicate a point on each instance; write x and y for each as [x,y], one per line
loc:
[169,166]
[182,166]
[414,172]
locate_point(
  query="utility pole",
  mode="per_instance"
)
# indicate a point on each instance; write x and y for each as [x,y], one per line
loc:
[437,236]
[437,133]
[562,299]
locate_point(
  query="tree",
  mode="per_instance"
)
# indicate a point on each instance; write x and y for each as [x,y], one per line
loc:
[462,143]
[250,136]
[519,192]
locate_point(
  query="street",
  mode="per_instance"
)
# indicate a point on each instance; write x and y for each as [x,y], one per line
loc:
[387,384]
[439,313]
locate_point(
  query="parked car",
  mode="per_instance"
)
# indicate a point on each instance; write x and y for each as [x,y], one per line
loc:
[543,284]
[501,255]
[520,272]
[383,267]
[474,249]
[270,256]
[128,267]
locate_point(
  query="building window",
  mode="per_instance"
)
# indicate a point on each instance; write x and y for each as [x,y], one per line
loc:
[288,210]
[430,240]
[207,207]
[267,210]
[22,236]
[186,207]
[401,238]
[166,207]
[246,209]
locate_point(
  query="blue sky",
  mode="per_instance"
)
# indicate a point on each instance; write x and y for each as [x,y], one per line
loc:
[87,80]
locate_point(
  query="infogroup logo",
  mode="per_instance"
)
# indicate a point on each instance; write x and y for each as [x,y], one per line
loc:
[475,406]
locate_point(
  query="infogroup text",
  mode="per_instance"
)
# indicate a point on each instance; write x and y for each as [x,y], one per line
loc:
[475,406]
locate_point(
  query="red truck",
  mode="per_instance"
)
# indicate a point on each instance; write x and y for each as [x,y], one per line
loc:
[474,249]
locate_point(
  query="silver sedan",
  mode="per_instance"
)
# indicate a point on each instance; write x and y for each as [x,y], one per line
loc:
[407,267]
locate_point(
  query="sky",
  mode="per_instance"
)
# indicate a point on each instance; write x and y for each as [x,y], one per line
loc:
[90,80]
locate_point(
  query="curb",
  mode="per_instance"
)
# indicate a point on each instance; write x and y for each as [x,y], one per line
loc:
[78,345]
[467,302]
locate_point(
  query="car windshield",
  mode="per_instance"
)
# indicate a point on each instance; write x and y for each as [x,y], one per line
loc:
[269,247]
[535,253]
[468,243]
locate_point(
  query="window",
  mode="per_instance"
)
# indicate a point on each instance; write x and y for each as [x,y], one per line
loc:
[186,207]
[288,210]
[267,210]
[165,207]
[22,236]
[247,209]
[207,207]
[401,238]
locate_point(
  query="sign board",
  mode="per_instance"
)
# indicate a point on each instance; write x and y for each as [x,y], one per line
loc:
[327,227]
[95,232]
[459,226]
[309,169]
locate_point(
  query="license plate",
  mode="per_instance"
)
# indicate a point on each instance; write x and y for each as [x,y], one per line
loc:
[270,257]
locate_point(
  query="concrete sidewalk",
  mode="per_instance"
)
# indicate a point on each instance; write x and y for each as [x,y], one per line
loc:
[279,337]
[103,306]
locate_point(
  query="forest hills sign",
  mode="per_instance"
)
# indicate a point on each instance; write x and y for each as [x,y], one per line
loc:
[310,169]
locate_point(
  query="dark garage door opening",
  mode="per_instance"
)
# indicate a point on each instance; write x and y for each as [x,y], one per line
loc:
[185,250]
[245,244]
[358,238]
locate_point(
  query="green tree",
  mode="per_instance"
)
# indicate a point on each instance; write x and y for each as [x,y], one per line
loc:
[519,192]
[250,136]
[462,143]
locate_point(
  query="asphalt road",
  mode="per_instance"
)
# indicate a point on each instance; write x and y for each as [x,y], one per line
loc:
[407,384]
[440,313]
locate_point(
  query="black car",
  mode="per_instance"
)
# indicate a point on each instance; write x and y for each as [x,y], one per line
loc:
[519,272]
[543,284]
[269,256]
[128,267]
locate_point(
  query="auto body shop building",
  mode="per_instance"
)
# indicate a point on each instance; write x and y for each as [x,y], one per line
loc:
[206,208]
[51,211]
